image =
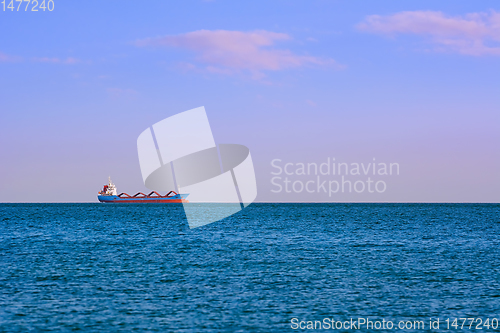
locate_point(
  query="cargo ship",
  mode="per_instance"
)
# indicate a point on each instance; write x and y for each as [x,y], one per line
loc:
[109,194]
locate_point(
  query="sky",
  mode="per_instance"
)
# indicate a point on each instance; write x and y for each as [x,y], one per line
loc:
[413,83]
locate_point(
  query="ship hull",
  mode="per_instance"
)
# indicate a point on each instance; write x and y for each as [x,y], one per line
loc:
[179,198]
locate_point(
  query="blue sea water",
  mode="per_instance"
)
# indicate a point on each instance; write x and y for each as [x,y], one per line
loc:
[102,267]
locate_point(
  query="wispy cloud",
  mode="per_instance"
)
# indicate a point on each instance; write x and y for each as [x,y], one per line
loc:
[227,52]
[472,34]
[8,58]
[67,61]
[311,103]
[119,93]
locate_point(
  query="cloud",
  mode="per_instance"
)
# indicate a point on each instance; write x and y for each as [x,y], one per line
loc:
[472,34]
[118,93]
[8,58]
[71,61]
[68,61]
[4,57]
[228,52]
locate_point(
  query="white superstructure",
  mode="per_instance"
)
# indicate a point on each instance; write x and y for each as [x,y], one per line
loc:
[109,189]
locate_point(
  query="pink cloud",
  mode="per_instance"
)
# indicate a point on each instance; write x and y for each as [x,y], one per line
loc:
[71,61]
[7,58]
[3,57]
[473,34]
[227,52]
[47,60]
[311,103]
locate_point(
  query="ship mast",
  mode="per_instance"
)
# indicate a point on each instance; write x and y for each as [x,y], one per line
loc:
[111,187]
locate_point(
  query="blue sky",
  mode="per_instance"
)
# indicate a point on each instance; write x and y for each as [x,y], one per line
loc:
[412,82]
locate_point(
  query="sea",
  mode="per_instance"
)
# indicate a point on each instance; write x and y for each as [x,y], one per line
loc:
[269,268]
